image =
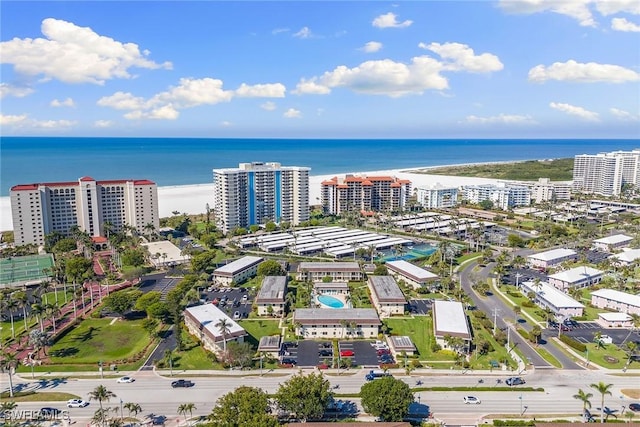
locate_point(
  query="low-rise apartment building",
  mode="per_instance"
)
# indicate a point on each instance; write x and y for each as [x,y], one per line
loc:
[437,196]
[337,271]
[504,196]
[615,320]
[450,321]
[578,277]
[203,322]
[611,243]
[413,275]
[626,257]
[322,323]
[238,271]
[554,257]
[546,296]
[270,300]
[616,300]
[386,295]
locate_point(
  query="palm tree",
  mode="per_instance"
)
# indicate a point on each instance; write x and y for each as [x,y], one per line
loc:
[133,408]
[584,398]
[37,310]
[9,362]
[224,326]
[101,394]
[184,408]
[11,305]
[52,310]
[43,288]
[603,389]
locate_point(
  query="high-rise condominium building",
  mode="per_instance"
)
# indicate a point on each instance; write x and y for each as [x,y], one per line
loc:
[503,196]
[369,193]
[41,209]
[256,193]
[606,173]
[437,196]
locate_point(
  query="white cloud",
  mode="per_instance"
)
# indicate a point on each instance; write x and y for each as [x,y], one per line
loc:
[510,119]
[624,115]
[388,20]
[268,106]
[576,9]
[292,113]
[122,101]
[226,124]
[611,7]
[460,57]
[273,90]
[280,30]
[304,33]
[9,90]
[591,72]
[193,92]
[74,54]
[165,112]
[65,103]
[23,122]
[621,24]
[575,111]
[103,123]
[8,120]
[311,87]
[371,47]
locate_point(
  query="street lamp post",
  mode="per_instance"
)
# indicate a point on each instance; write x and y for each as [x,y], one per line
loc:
[520,397]
[121,412]
[171,362]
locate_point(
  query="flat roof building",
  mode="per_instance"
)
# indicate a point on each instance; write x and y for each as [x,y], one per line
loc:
[410,273]
[504,196]
[611,243]
[437,196]
[551,258]
[44,208]
[400,345]
[203,321]
[323,323]
[237,271]
[546,296]
[271,296]
[449,320]
[368,193]
[337,271]
[626,257]
[163,253]
[386,295]
[616,300]
[615,320]
[578,277]
[605,173]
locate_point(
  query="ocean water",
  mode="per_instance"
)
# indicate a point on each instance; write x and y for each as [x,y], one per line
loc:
[181,161]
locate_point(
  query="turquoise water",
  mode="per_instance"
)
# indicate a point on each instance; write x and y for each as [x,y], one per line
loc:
[181,161]
[330,301]
[417,251]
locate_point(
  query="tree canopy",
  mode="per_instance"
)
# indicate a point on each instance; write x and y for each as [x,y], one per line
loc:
[305,396]
[121,302]
[387,398]
[270,267]
[245,406]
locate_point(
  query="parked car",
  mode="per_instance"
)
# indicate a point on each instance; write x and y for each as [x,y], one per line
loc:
[325,352]
[288,361]
[635,407]
[471,399]
[515,381]
[49,412]
[346,353]
[182,383]
[77,403]
[125,380]
[236,315]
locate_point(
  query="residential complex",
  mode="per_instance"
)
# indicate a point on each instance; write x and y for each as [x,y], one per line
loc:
[203,322]
[437,196]
[545,190]
[450,321]
[413,275]
[256,193]
[237,271]
[611,299]
[611,243]
[44,208]
[386,295]
[606,173]
[551,258]
[503,196]
[578,277]
[271,296]
[546,296]
[337,271]
[369,193]
[320,323]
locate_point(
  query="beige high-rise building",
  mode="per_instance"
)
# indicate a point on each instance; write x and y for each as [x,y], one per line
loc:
[368,193]
[256,193]
[43,208]
[606,173]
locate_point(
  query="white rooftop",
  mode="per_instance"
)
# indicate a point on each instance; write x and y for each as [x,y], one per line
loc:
[614,317]
[238,265]
[627,256]
[615,239]
[553,254]
[612,294]
[552,295]
[159,249]
[576,274]
[209,315]
[450,319]
[411,269]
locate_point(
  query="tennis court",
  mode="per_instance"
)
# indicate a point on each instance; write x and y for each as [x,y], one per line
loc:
[27,269]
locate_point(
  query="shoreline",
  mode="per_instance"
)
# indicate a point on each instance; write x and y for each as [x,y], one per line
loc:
[193,198]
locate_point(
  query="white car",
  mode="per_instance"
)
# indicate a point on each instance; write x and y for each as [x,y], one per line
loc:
[125,380]
[77,403]
[471,399]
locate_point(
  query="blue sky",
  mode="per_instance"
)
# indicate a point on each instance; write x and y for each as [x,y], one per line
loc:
[310,69]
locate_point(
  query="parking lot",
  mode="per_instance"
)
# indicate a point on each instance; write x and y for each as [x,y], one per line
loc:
[315,353]
[420,306]
[230,300]
[585,332]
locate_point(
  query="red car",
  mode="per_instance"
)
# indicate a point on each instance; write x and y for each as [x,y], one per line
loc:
[346,353]
[383,351]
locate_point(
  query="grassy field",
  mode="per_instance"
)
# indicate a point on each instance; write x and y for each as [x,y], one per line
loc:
[44,396]
[98,339]
[258,328]
[419,329]
[556,170]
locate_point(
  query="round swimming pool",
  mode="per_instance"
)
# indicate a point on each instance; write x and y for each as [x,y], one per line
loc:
[330,301]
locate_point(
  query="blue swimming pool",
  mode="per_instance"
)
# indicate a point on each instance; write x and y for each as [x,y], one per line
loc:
[330,301]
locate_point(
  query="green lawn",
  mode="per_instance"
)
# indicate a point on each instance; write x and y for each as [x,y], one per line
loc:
[359,295]
[609,356]
[97,339]
[258,328]
[419,329]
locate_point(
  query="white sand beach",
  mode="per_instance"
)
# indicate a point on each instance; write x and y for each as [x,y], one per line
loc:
[192,199]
